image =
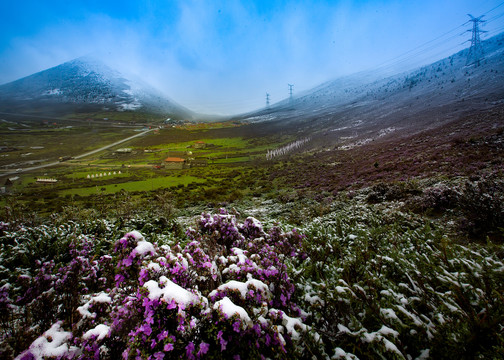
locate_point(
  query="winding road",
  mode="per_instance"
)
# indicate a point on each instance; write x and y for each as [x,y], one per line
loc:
[20,171]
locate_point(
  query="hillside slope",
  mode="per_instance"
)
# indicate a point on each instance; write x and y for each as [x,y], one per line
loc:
[359,105]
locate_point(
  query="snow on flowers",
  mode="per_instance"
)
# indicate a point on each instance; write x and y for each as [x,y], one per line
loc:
[226,288]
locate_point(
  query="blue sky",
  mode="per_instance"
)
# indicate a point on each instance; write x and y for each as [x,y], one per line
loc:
[223,56]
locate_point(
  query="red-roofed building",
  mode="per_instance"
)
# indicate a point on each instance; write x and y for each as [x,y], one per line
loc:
[199,145]
[174,160]
[174,163]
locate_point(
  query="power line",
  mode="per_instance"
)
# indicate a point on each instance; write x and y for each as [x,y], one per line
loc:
[421,49]
[502,3]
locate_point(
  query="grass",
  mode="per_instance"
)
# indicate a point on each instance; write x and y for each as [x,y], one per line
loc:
[228,160]
[125,116]
[142,185]
[51,142]
[211,144]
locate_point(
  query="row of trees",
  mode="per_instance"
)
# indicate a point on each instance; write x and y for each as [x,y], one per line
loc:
[287,148]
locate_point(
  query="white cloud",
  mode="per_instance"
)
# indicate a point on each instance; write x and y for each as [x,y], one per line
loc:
[223,56]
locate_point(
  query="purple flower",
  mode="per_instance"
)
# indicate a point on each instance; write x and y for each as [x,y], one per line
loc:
[128,261]
[223,342]
[283,298]
[144,273]
[159,355]
[236,326]
[203,348]
[168,347]
[190,350]
[119,279]
[162,335]
[172,305]
[268,340]
[28,356]
[146,329]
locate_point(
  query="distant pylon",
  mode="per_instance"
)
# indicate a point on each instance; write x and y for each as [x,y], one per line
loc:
[476,50]
[267,100]
[290,91]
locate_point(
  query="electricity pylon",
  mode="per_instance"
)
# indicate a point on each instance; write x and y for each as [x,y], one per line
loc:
[267,101]
[476,50]
[290,91]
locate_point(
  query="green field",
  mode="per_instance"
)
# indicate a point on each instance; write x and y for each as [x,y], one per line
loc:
[224,154]
[148,184]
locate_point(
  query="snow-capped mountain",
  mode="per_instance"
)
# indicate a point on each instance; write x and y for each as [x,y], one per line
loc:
[425,97]
[82,85]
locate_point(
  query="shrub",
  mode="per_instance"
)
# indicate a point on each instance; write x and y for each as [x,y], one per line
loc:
[438,198]
[483,206]
[378,291]
[228,286]
[394,191]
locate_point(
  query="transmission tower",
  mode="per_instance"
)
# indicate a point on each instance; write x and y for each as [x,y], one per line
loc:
[476,50]
[290,91]
[267,100]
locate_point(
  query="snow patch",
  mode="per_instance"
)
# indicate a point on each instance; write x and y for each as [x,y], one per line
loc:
[135,235]
[291,325]
[242,287]
[144,247]
[100,331]
[100,298]
[170,292]
[53,92]
[228,308]
[339,353]
[129,106]
[52,344]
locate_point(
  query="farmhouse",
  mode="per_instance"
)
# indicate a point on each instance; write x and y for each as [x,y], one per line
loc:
[11,180]
[175,163]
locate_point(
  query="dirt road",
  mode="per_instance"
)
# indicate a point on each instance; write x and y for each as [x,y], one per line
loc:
[22,170]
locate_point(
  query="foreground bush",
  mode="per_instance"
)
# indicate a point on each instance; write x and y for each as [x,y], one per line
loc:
[226,293]
[363,283]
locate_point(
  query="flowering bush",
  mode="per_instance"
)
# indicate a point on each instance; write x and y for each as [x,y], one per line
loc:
[229,285]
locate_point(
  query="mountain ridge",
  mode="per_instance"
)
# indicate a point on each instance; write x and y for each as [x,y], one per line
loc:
[85,85]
